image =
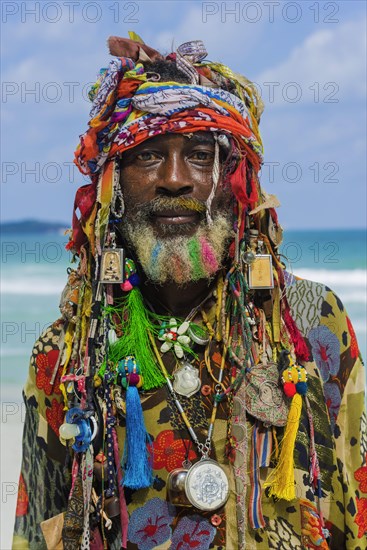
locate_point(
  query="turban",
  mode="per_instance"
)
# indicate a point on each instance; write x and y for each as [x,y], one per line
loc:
[131,105]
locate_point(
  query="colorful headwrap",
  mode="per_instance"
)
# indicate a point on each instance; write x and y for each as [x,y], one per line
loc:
[131,106]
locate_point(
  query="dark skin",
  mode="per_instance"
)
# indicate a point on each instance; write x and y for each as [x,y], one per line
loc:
[172,165]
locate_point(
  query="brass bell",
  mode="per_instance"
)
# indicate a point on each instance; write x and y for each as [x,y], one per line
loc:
[176,487]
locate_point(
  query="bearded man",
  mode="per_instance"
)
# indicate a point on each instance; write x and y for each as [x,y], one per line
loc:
[193,394]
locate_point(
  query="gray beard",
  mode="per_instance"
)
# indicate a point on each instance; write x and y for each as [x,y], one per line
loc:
[177,257]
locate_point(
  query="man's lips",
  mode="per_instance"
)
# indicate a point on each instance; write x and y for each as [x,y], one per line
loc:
[175,217]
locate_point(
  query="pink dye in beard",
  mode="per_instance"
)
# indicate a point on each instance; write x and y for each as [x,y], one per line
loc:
[207,256]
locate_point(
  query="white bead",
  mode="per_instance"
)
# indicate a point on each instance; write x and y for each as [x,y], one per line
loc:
[183,328]
[68,431]
[112,336]
[178,351]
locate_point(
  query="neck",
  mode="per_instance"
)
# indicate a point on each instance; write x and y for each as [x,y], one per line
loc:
[174,300]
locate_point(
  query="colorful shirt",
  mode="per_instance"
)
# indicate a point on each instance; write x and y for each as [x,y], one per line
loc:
[336,397]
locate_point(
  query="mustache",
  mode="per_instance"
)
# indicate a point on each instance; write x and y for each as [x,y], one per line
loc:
[172,203]
[176,203]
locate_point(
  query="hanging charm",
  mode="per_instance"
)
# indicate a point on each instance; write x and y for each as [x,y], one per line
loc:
[174,337]
[137,453]
[264,399]
[260,272]
[112,263]
[207,485]
[281,482]
[176,494]
[198,334]
[186,379]
[80,427]
[131,276]
[259,266]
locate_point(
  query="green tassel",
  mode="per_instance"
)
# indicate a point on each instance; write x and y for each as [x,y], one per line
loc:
[136,327]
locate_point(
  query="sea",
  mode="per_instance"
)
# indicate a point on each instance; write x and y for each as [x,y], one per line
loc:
[34,272]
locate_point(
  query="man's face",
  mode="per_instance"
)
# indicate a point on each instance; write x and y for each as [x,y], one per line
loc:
[171,166]
[166,182]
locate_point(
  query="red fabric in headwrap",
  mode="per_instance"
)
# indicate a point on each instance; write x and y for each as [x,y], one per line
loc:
[85,199]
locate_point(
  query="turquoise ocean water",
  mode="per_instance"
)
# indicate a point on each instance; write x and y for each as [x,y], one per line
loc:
[33,274]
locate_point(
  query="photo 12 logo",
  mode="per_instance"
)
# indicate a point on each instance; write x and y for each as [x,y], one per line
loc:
[71,12]
[268,11]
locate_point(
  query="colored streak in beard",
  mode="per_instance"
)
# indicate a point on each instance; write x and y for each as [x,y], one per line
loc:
[208,257]
[195,260]
[154,260]
[180,272]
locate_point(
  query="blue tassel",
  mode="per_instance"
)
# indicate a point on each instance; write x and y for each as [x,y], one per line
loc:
[138,446]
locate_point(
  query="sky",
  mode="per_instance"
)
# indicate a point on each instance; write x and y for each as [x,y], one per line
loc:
[308,60]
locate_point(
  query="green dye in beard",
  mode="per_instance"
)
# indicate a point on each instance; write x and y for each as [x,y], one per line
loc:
[195,259]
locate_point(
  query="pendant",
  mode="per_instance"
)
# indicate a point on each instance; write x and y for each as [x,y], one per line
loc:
[264,399]
[186,380]
[198,334]
[207,485]
[112,265]
[260,272]
[176,487]
[174,337]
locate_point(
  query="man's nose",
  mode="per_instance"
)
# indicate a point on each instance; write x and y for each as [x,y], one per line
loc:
[174,177]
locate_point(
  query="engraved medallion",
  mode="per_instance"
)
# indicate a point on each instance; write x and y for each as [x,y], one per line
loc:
[186,380]
[207,485]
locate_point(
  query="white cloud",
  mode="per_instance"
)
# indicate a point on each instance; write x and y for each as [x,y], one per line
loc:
[224,40]
[329,55]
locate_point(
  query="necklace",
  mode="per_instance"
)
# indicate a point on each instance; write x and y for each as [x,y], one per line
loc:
[177,337]
[205,484]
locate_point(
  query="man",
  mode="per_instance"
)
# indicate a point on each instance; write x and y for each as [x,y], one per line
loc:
[206,399]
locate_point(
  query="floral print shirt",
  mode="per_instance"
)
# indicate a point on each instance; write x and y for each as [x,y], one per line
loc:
[336,382]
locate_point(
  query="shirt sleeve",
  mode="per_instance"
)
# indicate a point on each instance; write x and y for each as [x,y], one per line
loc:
[44,481]
[323,320]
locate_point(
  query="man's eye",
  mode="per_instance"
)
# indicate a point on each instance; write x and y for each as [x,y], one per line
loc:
[146,156]
[202,156]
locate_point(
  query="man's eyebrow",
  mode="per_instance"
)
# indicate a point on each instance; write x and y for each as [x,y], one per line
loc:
[204,139]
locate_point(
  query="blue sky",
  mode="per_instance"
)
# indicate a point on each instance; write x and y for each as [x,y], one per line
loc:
[308,59]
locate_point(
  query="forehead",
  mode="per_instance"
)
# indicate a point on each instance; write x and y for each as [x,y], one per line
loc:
[176,140]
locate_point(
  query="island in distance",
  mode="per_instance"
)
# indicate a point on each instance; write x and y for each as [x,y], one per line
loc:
[26,227]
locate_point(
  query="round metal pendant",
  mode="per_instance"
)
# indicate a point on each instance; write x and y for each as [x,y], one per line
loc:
[207,485]
[198,334]
[186,380]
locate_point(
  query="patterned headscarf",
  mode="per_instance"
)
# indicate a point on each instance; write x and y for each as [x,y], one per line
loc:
[131,106]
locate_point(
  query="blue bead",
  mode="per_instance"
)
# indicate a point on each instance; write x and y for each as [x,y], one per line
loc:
[134,279]
[301,388]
